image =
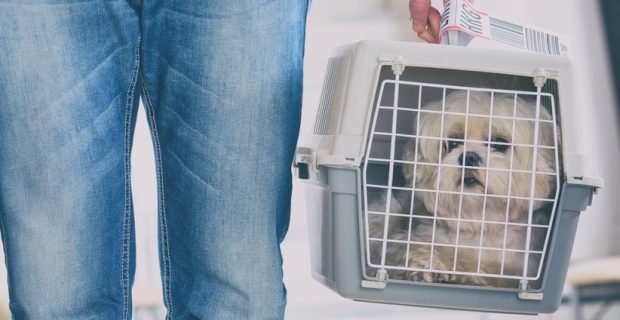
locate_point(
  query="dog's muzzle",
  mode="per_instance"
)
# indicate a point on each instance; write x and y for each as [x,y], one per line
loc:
[471,159]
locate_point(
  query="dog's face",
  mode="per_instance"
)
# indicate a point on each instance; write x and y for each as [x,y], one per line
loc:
[482,150]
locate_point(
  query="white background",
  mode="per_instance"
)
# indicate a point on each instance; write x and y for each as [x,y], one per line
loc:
[335,22]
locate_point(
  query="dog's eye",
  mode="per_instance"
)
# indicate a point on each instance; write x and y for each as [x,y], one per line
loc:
[451,144]
[500,144]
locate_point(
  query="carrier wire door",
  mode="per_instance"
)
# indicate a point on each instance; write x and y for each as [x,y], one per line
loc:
[387,139]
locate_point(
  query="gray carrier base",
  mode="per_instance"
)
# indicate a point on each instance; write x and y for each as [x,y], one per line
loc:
[337,255]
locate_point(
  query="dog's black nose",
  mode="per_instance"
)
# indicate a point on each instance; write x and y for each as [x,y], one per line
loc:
[472,159]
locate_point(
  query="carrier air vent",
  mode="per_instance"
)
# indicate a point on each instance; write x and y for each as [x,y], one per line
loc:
[326,105]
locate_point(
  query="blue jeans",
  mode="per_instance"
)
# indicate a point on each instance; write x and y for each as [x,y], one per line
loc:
[221,82]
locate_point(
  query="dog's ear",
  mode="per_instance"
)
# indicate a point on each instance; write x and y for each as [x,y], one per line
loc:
[519,209]
[419,149]
[409,155]
[415,149]
[421,171]
[547,134]
[429,126]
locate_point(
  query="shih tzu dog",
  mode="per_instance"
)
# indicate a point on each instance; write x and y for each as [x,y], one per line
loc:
[472,168]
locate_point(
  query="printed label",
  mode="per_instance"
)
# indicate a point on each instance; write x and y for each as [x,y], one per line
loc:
[461,23]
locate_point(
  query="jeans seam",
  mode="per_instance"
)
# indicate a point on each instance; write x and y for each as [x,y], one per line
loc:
[125,278]
[4,246]
[167,274]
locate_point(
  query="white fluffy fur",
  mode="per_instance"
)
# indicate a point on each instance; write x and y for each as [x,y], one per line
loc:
[489,182]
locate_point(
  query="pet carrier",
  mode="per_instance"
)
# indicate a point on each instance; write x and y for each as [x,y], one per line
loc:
[445,176]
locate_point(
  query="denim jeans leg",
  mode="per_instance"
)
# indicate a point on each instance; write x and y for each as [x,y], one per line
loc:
[67,75]
[223,83]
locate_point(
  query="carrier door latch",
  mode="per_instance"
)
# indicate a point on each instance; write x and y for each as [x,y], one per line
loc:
[304,159]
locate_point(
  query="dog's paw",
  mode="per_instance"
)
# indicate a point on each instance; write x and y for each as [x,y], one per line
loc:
[431,277]
[419,276]
[443,277]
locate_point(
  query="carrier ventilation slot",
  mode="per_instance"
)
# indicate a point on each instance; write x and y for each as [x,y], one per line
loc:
[321,126]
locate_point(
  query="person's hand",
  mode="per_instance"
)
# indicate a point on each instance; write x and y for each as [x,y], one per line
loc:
[425,20]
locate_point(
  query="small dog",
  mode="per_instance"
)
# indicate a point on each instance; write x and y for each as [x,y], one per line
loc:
[463,161]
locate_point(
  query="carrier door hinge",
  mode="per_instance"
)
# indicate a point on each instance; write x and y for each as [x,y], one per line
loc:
[540,77]
[397,63]
[524,294]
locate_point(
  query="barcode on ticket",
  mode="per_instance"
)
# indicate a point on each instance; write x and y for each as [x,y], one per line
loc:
[525,38]
[462,24]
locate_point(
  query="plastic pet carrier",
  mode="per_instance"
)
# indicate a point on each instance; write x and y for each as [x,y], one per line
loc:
[445,177]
